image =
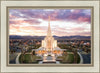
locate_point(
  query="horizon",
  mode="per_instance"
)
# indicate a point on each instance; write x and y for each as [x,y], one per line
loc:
[44,36]
[63,22]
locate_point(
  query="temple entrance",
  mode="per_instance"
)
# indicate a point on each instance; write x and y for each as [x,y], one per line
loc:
[49,59]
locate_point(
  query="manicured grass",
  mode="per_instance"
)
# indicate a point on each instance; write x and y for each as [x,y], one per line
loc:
[69,58]
[28,58]
[66,59]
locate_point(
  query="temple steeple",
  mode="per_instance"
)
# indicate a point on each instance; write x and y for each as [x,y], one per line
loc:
[49,29]
[49,46]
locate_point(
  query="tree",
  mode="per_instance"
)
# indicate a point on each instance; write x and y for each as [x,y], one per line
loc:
[22,52]
[75,55]
[33,52]
[32,56]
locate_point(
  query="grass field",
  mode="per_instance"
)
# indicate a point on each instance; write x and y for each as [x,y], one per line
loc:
[28,58]
[66,59]
[69,58]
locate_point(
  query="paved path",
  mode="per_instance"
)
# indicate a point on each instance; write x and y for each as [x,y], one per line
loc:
[12,58]
[70,53]
[81,58]
[17,58]
[48,58]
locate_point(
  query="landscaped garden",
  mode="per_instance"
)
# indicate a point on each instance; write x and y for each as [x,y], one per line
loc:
[28,58]
[69,58]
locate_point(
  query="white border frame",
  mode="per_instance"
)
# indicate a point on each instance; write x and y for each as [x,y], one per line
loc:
[4,68]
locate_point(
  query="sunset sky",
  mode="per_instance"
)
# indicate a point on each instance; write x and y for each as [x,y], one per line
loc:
[63,22]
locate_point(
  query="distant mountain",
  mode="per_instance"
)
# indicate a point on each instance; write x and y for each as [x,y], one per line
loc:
[42,37]
[25,37]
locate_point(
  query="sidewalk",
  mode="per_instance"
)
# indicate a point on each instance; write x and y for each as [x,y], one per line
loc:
[17,58]
[81,58]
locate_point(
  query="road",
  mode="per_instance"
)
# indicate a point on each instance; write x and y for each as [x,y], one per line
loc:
[12,58]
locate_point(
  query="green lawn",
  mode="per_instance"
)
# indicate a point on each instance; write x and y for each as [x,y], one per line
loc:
[69,58]
[28,58]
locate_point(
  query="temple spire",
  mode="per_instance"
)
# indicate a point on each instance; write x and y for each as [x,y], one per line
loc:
[49,29]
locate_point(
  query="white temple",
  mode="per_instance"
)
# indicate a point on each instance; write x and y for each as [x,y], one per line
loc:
[49,45]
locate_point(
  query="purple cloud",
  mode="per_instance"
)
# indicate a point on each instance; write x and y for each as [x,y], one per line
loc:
[57,14]
[31,17]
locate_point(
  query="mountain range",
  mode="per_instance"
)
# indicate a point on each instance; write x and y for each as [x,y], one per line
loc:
[56,37]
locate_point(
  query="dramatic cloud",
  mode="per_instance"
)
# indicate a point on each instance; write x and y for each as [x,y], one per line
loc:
[64,22]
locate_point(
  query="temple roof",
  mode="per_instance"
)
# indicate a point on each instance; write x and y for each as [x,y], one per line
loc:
[49,29]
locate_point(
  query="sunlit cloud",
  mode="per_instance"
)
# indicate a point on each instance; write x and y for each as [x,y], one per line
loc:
[63,22]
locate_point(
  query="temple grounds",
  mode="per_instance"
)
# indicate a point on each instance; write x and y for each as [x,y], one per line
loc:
[66,58]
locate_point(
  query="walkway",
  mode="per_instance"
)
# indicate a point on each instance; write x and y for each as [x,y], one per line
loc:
[12,58]
[17,58]
[81,58]
[49,59]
